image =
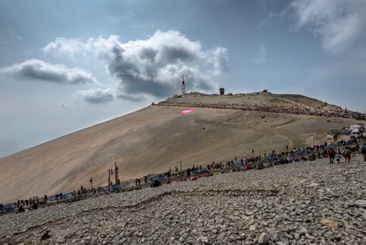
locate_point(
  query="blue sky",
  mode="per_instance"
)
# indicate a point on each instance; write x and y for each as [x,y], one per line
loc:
[66,65]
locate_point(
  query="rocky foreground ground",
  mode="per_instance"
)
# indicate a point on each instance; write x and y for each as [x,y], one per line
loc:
[298,203]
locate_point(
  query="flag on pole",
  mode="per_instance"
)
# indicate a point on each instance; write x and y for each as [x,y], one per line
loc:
[115,172]
[109,180]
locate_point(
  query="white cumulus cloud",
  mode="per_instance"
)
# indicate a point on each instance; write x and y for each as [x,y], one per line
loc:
[152,66]
[96,96]
[40,70]
[339,23]
[64,46]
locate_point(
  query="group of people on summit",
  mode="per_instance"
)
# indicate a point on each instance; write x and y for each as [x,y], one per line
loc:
[292,109]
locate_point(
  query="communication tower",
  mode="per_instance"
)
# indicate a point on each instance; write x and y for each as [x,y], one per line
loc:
[183,88]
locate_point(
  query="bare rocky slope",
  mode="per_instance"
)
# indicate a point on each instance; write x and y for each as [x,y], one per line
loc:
[308,202]
[158,137]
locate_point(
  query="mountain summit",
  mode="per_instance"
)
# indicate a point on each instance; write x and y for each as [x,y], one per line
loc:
[196,129]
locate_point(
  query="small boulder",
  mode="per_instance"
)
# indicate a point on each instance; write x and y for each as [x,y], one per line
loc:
[329,223]
[263,239]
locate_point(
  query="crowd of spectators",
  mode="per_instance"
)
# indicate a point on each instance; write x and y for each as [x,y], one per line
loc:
[341,150]
[337,151]
[291,109]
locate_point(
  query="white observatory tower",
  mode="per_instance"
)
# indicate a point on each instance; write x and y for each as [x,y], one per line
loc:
[183,88]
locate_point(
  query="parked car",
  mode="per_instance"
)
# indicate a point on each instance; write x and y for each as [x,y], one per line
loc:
[354,127]
[356,134]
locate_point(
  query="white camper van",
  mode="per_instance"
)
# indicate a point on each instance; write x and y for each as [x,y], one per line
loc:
[356,133]
[355,127]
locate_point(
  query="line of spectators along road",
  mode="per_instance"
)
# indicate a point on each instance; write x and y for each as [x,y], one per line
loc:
[259,162]
[197,171]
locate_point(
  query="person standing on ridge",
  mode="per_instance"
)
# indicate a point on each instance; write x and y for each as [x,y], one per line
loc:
[189,173]
[363,151]
[331,154]
[338,155]
[347,155]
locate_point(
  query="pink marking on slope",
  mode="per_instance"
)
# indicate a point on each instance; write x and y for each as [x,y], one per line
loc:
[187,111]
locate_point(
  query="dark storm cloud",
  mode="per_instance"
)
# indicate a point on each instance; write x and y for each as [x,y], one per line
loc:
[176,55]
[136,85]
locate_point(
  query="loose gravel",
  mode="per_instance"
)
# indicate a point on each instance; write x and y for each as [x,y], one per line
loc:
[298,203]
